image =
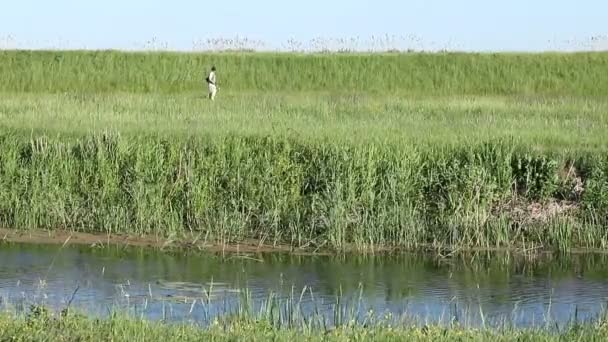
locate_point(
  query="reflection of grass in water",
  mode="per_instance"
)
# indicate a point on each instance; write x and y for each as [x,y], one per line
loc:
[400,276]
[190,286]
[189,291]
[306,310]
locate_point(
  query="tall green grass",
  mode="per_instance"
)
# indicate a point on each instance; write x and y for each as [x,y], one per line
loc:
[333,151]
[279,190]
[418,73]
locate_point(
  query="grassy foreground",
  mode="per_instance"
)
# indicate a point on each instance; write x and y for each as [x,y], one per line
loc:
[77,328]
[320,151]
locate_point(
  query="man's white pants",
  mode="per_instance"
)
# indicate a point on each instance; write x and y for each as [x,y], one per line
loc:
[212,91]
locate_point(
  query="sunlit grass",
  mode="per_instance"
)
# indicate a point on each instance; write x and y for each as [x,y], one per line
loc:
[324,151]
[548,123]
[577,74]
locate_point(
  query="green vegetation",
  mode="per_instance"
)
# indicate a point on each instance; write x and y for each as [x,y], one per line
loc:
[41,326]
[319,151]
[580,74]
[539,123]
[281,191]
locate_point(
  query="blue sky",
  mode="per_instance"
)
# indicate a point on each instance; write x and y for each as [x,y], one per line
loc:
[453,24]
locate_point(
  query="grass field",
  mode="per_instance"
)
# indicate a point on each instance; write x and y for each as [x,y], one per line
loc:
[539,122]
[580,74]
[324,151]
[76,328]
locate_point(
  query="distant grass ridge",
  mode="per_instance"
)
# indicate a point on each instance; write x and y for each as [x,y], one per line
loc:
[556,74]
[329,195]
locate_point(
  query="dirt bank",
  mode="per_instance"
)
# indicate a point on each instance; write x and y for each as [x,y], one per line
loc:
[62,237]
[192,244]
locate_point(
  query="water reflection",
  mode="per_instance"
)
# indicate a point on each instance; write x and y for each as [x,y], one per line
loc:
[472,289]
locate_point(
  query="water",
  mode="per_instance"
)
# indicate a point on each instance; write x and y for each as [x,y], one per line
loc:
[488,289]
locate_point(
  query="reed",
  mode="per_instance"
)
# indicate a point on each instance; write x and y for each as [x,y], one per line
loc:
[335,151]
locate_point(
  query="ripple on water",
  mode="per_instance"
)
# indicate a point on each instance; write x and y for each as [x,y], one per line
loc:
[414,285]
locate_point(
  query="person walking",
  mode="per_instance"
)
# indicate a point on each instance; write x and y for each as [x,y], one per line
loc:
[211,83]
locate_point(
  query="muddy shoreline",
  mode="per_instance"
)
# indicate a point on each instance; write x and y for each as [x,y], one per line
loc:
[192,244]
[66,238]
